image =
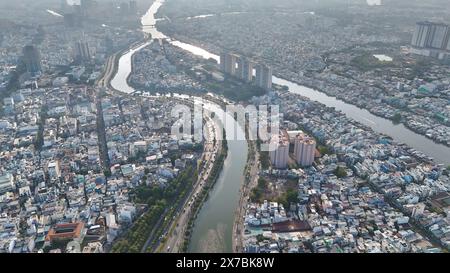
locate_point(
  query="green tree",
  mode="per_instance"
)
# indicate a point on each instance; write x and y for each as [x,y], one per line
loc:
[262,183]
[259,238]
[324,150]
[256,195]
[290,196]
[397,118]
[340,172]
[264,158]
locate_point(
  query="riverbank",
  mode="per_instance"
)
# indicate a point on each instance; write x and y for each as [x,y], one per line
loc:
[139,45]
[425,145]
[158,230]
[215,213]
[107,76]
[230,177]
[161,68]
[215,221]
[203,197]
[370,110]
[112,64]
[251,179]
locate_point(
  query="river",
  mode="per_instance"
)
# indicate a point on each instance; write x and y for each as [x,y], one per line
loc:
[398,132]
[213,226]
[213,230]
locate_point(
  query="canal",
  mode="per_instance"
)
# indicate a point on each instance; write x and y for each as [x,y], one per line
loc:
[213,226]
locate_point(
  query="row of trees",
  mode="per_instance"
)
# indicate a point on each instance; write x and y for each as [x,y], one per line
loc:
[258,193]
[157,199]
[137,235]
[213,176]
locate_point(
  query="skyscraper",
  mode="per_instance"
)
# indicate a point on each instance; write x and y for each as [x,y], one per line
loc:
[279,157]
[223,56]
[430,35]
[245,69]
[264,76]
[228,63]
[82,51]
[32,59]
[439,36]
[431,39]
[241,67]
[420,34]
[304,150]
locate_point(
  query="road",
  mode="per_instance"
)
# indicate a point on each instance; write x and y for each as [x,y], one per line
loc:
[175,237]
[177,227]
[110,67]
[108,72]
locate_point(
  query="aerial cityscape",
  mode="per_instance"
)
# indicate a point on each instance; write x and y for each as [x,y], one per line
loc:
[224,126]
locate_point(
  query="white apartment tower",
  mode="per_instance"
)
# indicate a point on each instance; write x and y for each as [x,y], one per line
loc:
[228,63]
[304,150]
[264,77]
[280,155]
[245,70]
